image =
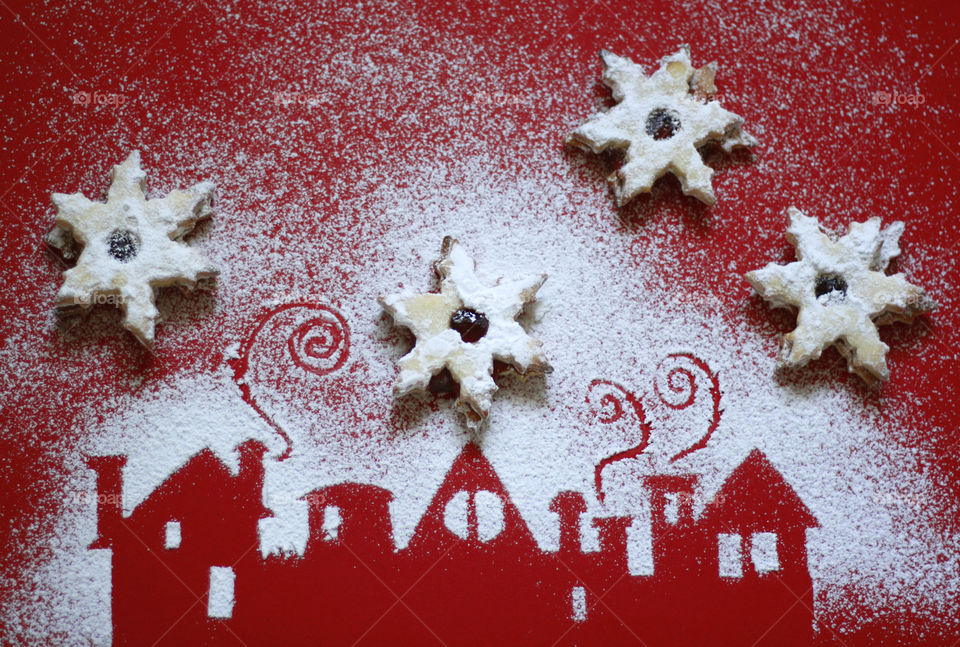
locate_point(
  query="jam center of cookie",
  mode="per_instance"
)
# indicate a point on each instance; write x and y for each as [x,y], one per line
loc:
[123,245]
[828,284]
[471,325]
[662,123]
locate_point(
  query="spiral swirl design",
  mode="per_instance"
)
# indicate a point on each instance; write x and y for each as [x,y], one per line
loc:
[321,343]
[680,382]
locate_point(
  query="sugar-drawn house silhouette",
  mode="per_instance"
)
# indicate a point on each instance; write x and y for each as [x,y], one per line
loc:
[187,568]
[201,518]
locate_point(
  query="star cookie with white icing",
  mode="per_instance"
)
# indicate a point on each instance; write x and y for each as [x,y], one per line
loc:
[463,329]
[130,246]
[841,292]
[659,123]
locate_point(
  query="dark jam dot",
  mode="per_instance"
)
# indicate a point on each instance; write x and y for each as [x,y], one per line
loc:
[123,245]
[443,384]
[471,325]
[662,124]
[828,284]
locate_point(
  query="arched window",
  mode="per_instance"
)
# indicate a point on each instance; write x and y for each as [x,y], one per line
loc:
[477,515]
[731,553]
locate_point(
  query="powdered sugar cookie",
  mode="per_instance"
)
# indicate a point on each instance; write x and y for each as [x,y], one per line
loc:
[660,121]
[464,329]
[841,292]
[130,246]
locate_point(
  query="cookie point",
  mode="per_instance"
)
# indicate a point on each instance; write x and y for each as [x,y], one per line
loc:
[873,376]
[708,198]
[607,57]
[921,303]
[449,242]
[145,337]
[677,69]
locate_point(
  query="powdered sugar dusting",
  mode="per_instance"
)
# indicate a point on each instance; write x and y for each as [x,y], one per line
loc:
[330,199]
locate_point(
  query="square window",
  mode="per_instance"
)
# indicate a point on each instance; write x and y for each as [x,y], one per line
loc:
[331,522]
[729,555]
[671,507]
[171,535]
[220,595]
[763,552]
[578,603]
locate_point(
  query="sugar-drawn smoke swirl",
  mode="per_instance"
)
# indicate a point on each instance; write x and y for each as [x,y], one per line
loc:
[321,344]
[614,400]
[314,338]
[677,373]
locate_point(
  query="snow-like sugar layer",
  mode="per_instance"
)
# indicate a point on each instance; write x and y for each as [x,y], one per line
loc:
[879,544]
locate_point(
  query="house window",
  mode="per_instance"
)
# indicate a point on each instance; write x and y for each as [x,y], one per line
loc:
[455,514]
[671,507]
[171,535]
[488,510]
[763,552]
[220,598]
[729,555]
[578,604]
[331,522]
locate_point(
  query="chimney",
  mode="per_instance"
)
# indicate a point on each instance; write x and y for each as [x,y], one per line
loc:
[250,476]
[109,495]
[671,500]
[569,506]
[677,545]
[362,518]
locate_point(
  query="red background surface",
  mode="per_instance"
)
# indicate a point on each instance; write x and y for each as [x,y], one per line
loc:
[195,73]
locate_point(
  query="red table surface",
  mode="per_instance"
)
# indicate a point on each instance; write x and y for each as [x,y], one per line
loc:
[187,82]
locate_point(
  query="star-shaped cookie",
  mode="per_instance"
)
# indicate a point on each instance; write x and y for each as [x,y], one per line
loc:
[130,246]
[660,122]
[464,329]
[841,293]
